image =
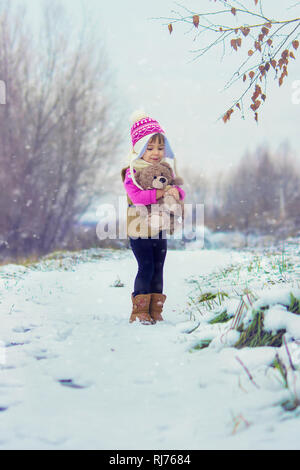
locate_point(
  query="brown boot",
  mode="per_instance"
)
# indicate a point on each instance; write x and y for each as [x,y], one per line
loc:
[156,306]
[140,309]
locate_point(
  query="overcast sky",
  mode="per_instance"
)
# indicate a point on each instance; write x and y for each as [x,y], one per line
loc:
[154,70]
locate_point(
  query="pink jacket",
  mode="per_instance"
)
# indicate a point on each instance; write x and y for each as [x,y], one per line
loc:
[143,197]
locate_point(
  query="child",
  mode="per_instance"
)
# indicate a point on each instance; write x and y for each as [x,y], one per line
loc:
[150,146]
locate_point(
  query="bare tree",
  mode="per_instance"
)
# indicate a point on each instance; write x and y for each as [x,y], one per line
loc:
[260,194]
[268,43]
[196,185]
[59,132]
[289,189]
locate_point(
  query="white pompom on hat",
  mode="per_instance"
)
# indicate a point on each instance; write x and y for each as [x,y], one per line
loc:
[137,115]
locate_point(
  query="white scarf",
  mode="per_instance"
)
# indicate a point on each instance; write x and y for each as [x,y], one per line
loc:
[138,164]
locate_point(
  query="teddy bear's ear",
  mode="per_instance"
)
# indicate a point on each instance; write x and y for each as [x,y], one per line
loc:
[178,181]
[166,165]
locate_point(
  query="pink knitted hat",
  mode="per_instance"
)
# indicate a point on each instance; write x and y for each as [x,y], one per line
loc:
[144,126]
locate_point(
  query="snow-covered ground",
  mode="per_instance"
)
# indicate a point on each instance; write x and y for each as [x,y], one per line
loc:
[74,374]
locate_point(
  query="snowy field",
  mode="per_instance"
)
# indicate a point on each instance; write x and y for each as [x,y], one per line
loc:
[74,374]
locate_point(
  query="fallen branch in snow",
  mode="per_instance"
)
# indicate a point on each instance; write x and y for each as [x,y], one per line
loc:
[247,371]
[294,369]
[238,420]
[241,387]
[193,329]
[289,355]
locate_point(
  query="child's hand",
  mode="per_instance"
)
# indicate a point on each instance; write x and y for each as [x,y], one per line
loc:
[173,192]
[160,193]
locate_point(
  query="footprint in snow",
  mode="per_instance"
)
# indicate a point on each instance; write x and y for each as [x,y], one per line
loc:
[9,345]
[21,329]
[70,383]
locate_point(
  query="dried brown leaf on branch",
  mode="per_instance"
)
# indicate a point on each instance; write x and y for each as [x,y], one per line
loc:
[235,43]
[257,46]
[196,20]
[273,63]
[227,115]
[255,105]
[266,44]
[245,30]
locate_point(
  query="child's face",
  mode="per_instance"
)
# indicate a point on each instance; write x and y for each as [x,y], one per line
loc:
[155,152]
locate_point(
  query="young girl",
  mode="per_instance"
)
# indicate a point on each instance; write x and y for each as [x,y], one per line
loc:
[149,146]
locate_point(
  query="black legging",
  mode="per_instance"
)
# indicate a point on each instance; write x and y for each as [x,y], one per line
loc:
[150,254]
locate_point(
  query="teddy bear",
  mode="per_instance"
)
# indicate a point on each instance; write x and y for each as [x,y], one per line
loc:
[167,213]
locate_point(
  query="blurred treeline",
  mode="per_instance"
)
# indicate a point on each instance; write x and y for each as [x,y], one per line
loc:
[260,195]
[59,131]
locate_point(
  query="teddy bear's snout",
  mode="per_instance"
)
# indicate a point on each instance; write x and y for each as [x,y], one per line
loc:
[159,182]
